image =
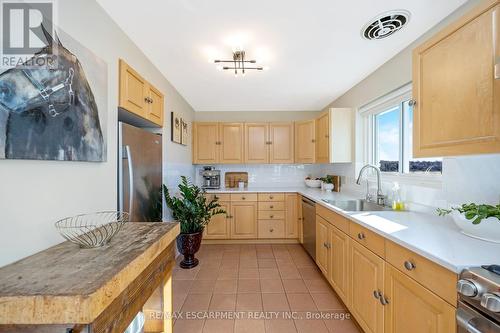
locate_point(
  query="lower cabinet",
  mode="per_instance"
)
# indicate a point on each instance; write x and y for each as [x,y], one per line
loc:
[291,215]
[322,232]
[367,285]
[218,228]
[338,262]
[412,308]
[243,220]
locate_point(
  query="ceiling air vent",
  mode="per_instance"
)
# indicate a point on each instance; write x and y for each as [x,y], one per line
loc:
[385,24]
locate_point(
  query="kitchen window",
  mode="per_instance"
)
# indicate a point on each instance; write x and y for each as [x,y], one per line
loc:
[389,139]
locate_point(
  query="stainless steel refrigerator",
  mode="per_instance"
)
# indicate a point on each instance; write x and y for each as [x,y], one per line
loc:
[139,173]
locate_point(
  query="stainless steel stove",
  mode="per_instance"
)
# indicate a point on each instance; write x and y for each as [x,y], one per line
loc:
[479,300]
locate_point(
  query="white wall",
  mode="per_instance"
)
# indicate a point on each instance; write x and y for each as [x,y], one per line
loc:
[468,178]
[255,116]
[34,194]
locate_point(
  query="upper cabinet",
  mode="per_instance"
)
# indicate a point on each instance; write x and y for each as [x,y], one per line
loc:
[305,141]
[138,96]
[281,143]
[456,87]
[334,136]
[217,143]
[256,143]
[323,138]
[269,143]
[231,143]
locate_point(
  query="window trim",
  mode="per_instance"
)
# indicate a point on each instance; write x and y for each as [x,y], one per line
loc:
[367,113]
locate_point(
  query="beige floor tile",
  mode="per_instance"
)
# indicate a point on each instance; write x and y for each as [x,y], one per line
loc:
[267,263]
[310,326]
[202,286]
[227,274]
[309,273]
[303,261]
[318,286]
[218,326]
[185,274]
[271,286]
[188,326]
[280,326]
[248,273]
[249,326]
[210,263]
[196,302]
[294,286]
[263,254]
[283,262]
[223,302]
[230,264]
[178,300]
[248,286]
[269,273]
[230,256]
[342,325]
[181,286]
[326,302]
[275,302]
[207,273]
[289,272]
[249,263]
[301,302]
[249,302]
[226,287]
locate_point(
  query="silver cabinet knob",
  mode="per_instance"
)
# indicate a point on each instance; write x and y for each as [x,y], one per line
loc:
[377,294]
[361,236]
[467,288]
[412,102]
[409,265]
[491,302]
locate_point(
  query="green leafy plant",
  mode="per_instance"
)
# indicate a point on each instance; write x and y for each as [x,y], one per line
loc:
[191,208]
[473,212]
[327,180]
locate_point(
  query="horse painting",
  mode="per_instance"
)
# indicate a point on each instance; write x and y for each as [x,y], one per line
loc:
[49,112]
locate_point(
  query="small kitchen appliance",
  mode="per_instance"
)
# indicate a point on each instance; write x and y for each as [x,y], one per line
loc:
[479,300]
[211,178]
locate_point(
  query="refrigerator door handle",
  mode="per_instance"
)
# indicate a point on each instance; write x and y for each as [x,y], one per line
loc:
[130,180]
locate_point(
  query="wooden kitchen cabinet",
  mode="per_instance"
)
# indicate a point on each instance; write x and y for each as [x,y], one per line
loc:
[338,263]
[138,96]
[291,215]
[243,220]
[218,227]
[256,143]
[281,143]
[305,141]
[323,138]
[322,233]
[456,87]
[205,143]
[231,136]
[412,308]
[366,277]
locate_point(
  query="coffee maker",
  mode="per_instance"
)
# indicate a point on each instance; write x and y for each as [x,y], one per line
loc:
[211,178]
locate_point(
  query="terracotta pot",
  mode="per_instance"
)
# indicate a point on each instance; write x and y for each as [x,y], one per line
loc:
[188,245]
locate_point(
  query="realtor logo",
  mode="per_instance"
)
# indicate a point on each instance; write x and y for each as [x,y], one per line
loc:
[23,25]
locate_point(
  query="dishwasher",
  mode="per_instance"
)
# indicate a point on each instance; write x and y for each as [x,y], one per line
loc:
[309,226]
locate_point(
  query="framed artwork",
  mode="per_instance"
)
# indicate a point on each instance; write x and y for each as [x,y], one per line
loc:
[176,127]
[184,132]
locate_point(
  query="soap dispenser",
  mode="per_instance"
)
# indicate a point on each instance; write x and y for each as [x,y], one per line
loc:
[397,203]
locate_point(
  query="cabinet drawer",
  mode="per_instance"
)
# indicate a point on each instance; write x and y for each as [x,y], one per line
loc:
[271,228]
[271,197]
[333,218]
[436,278]
[368,238]
[271,215]
[271,205]
[244,197]
[220,196]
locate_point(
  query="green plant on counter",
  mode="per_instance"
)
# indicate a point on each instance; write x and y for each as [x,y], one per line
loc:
[473,212]
[191,208]
[327,180]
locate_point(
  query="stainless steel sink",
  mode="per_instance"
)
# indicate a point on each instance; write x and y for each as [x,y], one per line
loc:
[358,205]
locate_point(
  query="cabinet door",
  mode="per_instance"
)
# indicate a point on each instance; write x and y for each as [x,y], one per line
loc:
[322,244]
[231,143]
[301,219]
[256,143]
[414,309]
[305,141]
[133,90]
[454,85]
[243,220]
[205,143]
[291,216]
[281,141]
[323,138]
[338,263]
[366,277]
[155,108]
[218,227]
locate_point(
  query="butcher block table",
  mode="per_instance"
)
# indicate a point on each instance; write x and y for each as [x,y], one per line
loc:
[66,289]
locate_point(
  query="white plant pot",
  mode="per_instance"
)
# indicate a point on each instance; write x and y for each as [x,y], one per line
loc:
[487,230]
[328,187]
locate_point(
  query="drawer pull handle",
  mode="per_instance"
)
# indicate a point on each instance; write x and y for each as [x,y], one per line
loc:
[271,230]
[243,198]
[271,216]
[361,236]
[384,301]
[271,207]
[271,197]
[377,294]
[409,265]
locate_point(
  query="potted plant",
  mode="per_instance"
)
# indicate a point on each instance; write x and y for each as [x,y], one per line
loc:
[193,211]
[476,220]
[327,183]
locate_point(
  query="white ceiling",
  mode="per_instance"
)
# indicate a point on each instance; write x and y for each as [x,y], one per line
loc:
[314,48]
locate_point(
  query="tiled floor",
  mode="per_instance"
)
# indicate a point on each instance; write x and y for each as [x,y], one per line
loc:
[256,288]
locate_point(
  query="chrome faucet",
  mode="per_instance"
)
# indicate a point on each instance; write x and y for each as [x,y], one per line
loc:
[380,195]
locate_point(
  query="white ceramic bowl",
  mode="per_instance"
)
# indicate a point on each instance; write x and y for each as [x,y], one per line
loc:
[488,229]
[313,183]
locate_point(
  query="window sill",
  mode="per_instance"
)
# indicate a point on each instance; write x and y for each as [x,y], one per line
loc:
[424,180]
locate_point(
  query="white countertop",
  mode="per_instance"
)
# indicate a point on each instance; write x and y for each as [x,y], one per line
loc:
[436,238]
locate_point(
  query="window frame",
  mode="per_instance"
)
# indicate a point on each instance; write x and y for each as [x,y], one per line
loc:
[367,114]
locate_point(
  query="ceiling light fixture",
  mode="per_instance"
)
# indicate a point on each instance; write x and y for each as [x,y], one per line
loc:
[238,64]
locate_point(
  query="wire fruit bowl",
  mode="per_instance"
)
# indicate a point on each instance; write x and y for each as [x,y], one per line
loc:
[92,230]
